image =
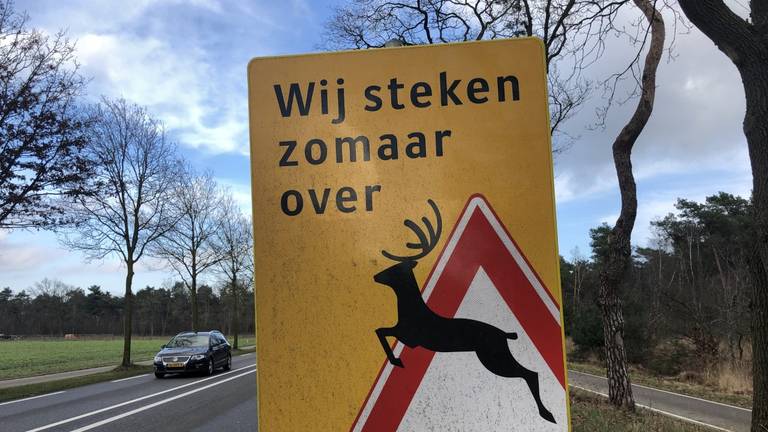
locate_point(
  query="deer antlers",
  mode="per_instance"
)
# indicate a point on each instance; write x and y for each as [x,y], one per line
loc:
[425,244]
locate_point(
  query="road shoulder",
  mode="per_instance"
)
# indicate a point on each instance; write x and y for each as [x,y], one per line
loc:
[695,410]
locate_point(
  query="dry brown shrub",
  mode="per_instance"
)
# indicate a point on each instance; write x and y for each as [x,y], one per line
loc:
[734,377]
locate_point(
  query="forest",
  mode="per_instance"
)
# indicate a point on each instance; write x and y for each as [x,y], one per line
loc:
[687,297]
[52,309]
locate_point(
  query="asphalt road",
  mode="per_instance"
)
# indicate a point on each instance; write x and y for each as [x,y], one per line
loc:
[712,414]
[225,401]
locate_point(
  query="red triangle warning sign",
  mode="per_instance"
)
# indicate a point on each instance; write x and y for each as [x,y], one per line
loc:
[481,277]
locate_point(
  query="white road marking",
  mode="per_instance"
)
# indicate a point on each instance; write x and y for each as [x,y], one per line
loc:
[30,398]
[164,401]
[671,393]
[88,414]
[656,410]
[129,378]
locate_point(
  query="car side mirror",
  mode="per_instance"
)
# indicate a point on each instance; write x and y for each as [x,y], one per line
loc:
[162,346]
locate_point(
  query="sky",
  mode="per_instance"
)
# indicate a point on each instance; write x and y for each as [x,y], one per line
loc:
[186,61]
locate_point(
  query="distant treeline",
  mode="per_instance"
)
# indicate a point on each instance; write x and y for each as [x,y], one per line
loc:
[687,304]
[52,308]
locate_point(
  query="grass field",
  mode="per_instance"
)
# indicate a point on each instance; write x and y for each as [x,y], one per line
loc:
[25,358]
[243,340]
[593,414]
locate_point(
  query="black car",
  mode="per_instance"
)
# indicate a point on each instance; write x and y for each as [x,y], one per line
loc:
[194,352]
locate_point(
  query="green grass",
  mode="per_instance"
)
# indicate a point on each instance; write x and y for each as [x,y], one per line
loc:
[19,359]
[54,386]
[641,377]
[237,352]
[590,413]
[40,357]
[243,340]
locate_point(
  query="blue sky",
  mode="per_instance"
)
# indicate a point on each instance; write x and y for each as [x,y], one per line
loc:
[186,61]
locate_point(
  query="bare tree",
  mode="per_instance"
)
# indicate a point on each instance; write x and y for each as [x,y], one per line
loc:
[50,297]
[618,257]
[572,32]
[189,245]
[41,140]
[745,42]
[135,173]
[50,287]
[234,241]
[579,269]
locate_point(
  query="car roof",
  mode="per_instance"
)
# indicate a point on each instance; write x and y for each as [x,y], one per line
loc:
[199,333]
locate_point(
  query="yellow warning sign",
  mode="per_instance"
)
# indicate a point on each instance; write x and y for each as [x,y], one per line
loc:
[406,265]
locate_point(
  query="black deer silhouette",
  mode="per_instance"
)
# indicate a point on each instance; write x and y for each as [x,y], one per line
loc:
[418,325]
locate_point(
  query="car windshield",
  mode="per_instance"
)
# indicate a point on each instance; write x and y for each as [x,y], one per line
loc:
[187,341]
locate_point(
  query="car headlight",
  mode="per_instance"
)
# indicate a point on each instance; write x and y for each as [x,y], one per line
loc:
[158,359]
[198,356]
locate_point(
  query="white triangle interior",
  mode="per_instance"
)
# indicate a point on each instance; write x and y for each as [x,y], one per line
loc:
[457,393]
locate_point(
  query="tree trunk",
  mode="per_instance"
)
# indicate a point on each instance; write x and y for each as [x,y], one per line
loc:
[193,290]
[575,302]
[235,313]
[746,44]
[128,316]
[755,78]
[619,384]
[618,260]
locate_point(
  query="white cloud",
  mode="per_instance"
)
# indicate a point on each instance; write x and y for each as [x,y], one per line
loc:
[568,187]
[177,87]
[657,203]
[19,257]
[82,16]
[183,59]
[647,212]
[301,7]
[696,126]
[28,257]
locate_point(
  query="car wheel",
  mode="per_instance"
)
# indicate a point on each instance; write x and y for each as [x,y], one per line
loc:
[209,372]
[228,365]
[159,375]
